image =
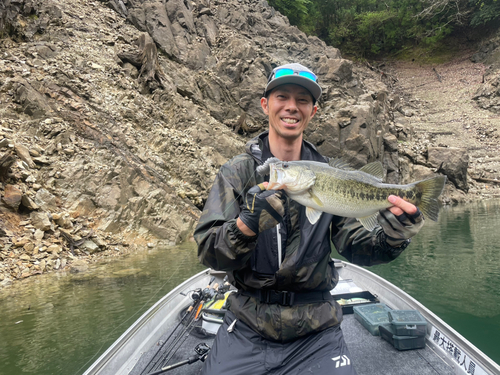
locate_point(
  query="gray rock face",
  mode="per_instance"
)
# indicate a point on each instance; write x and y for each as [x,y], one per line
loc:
[139,161]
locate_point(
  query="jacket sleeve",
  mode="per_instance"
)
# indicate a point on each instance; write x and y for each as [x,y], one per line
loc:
[221,245]
[360,246]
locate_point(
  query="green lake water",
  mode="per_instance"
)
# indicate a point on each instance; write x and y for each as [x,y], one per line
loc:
[61,323]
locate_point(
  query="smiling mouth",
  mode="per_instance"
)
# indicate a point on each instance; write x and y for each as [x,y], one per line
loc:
[290,121]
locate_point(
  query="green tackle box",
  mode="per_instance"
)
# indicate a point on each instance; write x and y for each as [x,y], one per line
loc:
[408,323]
[387,332]
[372,316]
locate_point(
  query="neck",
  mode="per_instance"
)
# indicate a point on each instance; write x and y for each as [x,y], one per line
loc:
[285,149]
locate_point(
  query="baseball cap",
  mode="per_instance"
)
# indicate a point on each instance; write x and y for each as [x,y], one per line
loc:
[294,73]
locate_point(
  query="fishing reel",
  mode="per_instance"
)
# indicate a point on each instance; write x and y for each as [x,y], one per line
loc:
[196,294]
[202,350]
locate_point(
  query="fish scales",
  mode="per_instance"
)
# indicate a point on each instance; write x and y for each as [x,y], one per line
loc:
[353,193]
[345,192]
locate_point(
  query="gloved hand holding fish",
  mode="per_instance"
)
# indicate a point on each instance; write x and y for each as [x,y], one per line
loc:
[337,189]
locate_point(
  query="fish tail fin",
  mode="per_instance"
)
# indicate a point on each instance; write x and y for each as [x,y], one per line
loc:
[430,189]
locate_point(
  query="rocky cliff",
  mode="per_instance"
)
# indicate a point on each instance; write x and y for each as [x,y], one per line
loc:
[116,115]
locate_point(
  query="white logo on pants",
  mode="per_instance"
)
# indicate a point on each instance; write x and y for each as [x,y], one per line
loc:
[341,361]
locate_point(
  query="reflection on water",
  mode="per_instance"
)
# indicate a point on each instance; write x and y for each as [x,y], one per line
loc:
[55,324]
[453,268]
[59,324]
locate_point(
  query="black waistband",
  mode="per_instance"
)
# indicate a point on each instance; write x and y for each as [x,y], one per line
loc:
[286,298]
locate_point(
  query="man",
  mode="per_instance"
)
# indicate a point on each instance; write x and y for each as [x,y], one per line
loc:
[283,319]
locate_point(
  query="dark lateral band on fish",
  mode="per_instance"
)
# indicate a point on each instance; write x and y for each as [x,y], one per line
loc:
[337,189]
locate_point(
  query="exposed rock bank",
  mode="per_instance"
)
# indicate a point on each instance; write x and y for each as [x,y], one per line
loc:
[116,115]
[437,105]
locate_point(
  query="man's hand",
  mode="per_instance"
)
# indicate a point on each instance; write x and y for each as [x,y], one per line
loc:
[263,209]
[401,221]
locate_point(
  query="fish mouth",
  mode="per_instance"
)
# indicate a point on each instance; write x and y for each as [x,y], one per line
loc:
[275,186]
[276,175]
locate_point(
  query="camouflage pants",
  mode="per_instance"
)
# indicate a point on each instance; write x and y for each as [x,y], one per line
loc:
[244,352]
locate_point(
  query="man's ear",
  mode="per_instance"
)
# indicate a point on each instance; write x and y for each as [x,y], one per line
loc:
[264,105]
[314,110]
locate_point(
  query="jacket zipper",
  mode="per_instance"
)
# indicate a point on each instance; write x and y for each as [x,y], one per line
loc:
[279,244]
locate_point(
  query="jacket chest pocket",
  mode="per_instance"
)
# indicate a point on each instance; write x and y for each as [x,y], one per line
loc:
[269,251]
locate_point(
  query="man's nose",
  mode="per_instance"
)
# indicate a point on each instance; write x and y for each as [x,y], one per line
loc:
[291,105]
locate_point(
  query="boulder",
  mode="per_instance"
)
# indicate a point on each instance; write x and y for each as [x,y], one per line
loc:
[31,101]
[89,246]
[27,202]
[12,196]
[78,266]
[24,154]
[45,200]
[40,220]
[159,27]
[453,162]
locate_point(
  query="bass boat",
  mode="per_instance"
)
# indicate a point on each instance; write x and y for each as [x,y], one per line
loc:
[174,336]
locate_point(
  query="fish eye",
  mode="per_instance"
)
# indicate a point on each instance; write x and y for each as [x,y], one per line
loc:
[285,165]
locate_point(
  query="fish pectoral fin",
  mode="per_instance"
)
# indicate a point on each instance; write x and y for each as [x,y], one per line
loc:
[315,198]
[313,215]
[376,169]
[369,222]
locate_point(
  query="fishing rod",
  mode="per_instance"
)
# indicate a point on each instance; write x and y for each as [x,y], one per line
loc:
[208,293]
[201,351]
[197,296]
[162,357]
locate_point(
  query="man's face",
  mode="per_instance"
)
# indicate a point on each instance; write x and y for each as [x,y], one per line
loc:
[290,108]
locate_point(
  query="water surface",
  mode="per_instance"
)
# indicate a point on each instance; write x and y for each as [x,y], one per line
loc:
[61,323]
[453,268]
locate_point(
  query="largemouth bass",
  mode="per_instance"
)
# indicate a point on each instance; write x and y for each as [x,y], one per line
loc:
[340,190]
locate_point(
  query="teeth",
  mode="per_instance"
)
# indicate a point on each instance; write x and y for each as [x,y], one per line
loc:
[290,120]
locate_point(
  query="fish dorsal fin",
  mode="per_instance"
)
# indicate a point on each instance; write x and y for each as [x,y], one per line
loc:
[340,164]
[313,215]
[375,169]
[369,222]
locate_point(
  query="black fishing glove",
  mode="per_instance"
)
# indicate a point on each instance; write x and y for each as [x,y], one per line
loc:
[263,209]
[400,228]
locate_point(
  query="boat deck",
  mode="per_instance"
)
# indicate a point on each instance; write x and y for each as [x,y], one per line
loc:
[370,355]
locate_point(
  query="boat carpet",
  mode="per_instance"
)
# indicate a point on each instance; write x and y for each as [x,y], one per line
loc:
[370,355]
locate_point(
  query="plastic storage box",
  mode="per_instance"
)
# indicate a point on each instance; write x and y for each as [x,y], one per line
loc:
[348,300]
[408,323]
[372,316]
[401,342]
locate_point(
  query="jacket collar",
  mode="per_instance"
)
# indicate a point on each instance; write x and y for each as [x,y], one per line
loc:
[259,146]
